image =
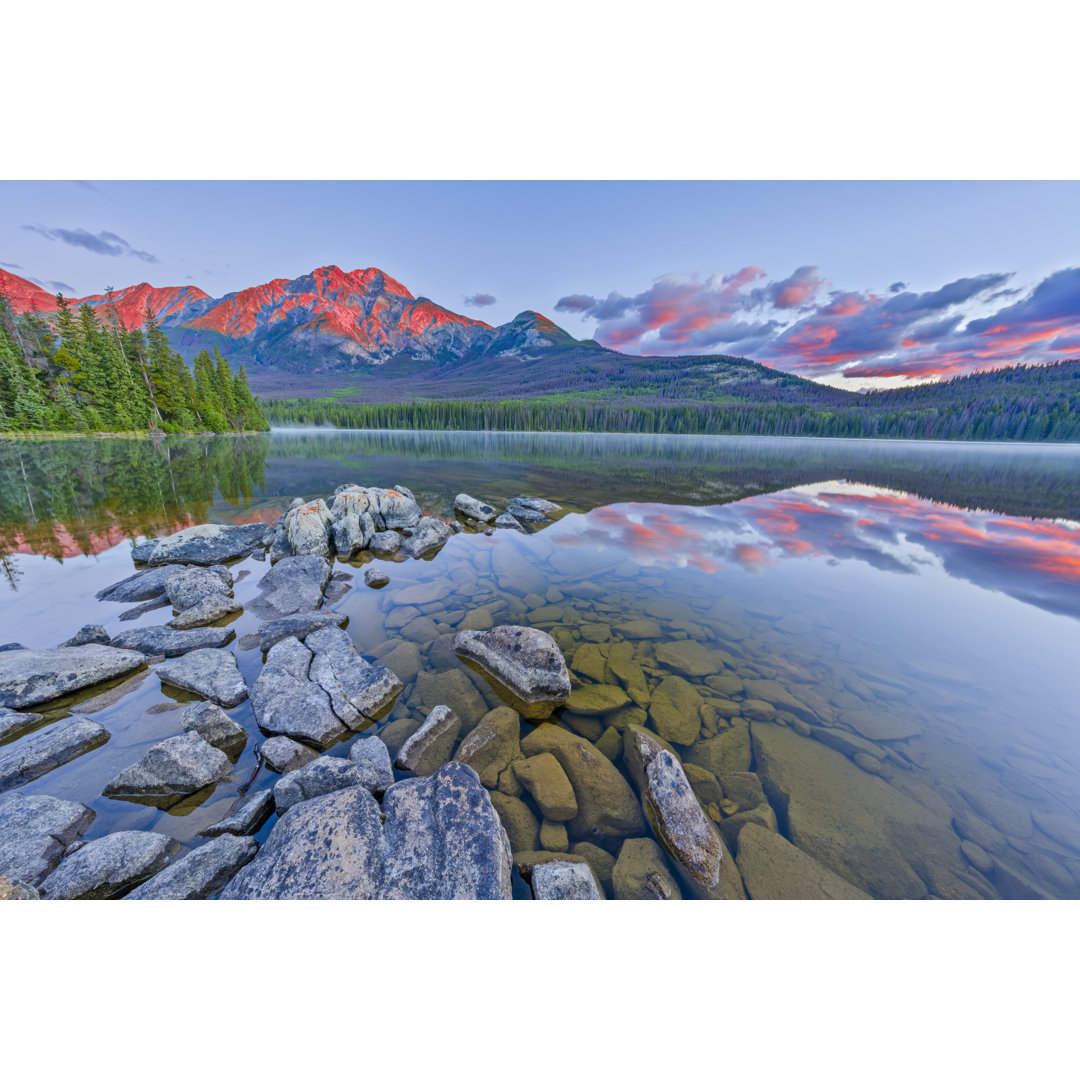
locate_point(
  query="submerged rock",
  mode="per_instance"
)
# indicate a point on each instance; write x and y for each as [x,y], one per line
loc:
[287,702]
[565,881]
[429,748]
[203,545]
[90,634]
[298,626]
[247,816]
[201,872]
[176,766]
[545,780]
[492,745]
[34,676]
[34,831]
[210,672]
[106,867]
[283,754]
[294,584]
[12,722]
[38,753]
[641,873]
[772,868]
[525,660]
[157,640]
[474,508]
[210,722]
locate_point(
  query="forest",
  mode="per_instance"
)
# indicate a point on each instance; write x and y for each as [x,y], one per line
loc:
[77,374]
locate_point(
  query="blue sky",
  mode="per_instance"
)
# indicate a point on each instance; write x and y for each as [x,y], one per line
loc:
[681,262]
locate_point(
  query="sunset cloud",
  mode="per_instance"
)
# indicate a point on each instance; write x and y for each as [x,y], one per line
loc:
[480,299]
[102,243]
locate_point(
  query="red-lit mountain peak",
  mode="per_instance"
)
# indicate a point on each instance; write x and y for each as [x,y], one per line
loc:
[24,296]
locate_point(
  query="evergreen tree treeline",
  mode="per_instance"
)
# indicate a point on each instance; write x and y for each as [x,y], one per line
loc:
[81,375]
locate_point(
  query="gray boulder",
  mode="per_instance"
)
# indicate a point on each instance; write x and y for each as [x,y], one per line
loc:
[287,702]
[206,611]
[283,754]
[17,890]
[429,534]
[475,509]
[155,640]
[298,626]
[431,745]
[211,673]
[352,534]
[12,722]
[358,691]
[176,766]
[525,513]
[192,584]
[376,578]
[33,676]
[318,777]
[90,634]
[247,816]
[34,831]
[508,521]
[107,867]
[565,881]
[142,585]
[308,529]
[202,545]
[441,840]
[372,757]
[38,753]
[525,660]
[295,584]
[210,722]
[773,868]
[398,509]
[385,543]
[201,873]
[542,505]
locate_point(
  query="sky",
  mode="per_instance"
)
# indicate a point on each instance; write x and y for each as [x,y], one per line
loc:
[856,283]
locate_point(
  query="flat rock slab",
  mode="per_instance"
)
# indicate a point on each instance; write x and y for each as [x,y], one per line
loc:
[318,777]
[211,673]
[201,873]
[202,545]
[38,753]
[176,766]
[298,626]
[158,640]
[193,584]
[442,840]
[431,745]
[106,867]
[358,691]
[246,817]
[283,754]
[773,868]
[33,676]
[34,831]
[142,585]
[287,702]
[212,723]
[12,722]
[295,584]
[525,660]
[559,880]
[372,757]
[206,611]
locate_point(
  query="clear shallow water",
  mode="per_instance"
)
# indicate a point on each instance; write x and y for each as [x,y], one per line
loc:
[887,633]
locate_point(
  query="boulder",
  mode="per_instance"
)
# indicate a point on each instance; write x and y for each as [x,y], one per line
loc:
[12,722]
[352,533]
[191,585]
[41,751]
[397,509]
[544,506]
[606,804]
[772,868]
[107,867]
[287,702]
[641,873]
[206,611]
[33,676]
[375,578]
[522,828]
[294,584]
[212,723]
[475,509]
[673,711]
[508,521]
[211,673]
[689,657]
[565,881]
[318,777]
[545,780]
[203,545]
[525,513]
[385,543]
[639,747]
[180,765]
[201,873]
[525,660]
[142,585]
[246,816]
[283,754]
[429,534]
[307,529]
[90,634]
[358,691]
[597,699]
[158,640]
[34,831]
[431,745]
[298,626]
[492,745]
[372,757]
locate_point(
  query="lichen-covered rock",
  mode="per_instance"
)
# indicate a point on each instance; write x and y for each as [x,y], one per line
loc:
[211,673]
[34,676]
[190,585]
[308,528]
[34,831]
[545,780]
[247,816]
[203,545]
[689,657]
[641,873]
[105,868]
[318,777]
[294,584]
[41,751]
[385,543]
[200,873]
[525,660]
[12,722]
[492,745]
[283,754]
[287,702]
[180,765]
[298,626]
[474,508]
[161,640]
[208,610]
[372,757]
[430,747]
[430,533]
[772,868]
[560,880]
[90,634]
[212,723]
[597,699]
[17,890]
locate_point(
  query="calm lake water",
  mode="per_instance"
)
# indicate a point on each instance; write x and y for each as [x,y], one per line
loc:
[871,647]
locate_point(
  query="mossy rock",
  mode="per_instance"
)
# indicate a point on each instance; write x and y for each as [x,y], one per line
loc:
[626,716]
[589,661]
[641,872]
[758,710]
[743,789]
[601,861]
[609,744]
[597,699]
[398,732]
[546,781]
[706,787]
[725,685]
[588,727]
[675,711]
[624,666]
[553,836]
[762,815]
[522,828]
[689,657]
[727,752]
[492,745]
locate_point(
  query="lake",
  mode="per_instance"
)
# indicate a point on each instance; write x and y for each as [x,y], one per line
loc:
[869,649]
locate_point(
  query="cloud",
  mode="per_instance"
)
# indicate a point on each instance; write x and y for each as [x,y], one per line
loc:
[480,299]
[576,303]
[11,266]
[897,286]
[102,243]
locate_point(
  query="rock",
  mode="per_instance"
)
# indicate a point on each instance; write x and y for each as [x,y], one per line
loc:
[33,676]
[247,816]
[1064,830]
[601,861]
[640,873]
[727,752]
[524,513]
[210,722]
[298,626]
[318,777]
[191,585]
[12,722]
[474,508]
[492,745]
[90,634]
[606,804]
[525,660]
[157,640]
[565,881]
[763,815]
[201,873]
[211,673]
[772,868]
[104,868]
[358,690]
[295,584]
[689,657]
[142,585]
[442,839]
[596,699]
[375,578]
[674,711]
[307,529]
[639,747]
[542,505]
[544,779]
[624,666]
[430,747]
[508,521]
[430,533]
[36,754]
[287,702]
[206,611]
[139,610]
[453,689]
[639,628]
[203,545]
[522,828]
[34,831]
[878,725]
[385,543]
[17,890]
[553,836]
[180,765]
[754,709]
[352,534]
[372,757]
[283,754]
[404,660]
[280,548]
[397,509]
[978,858]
